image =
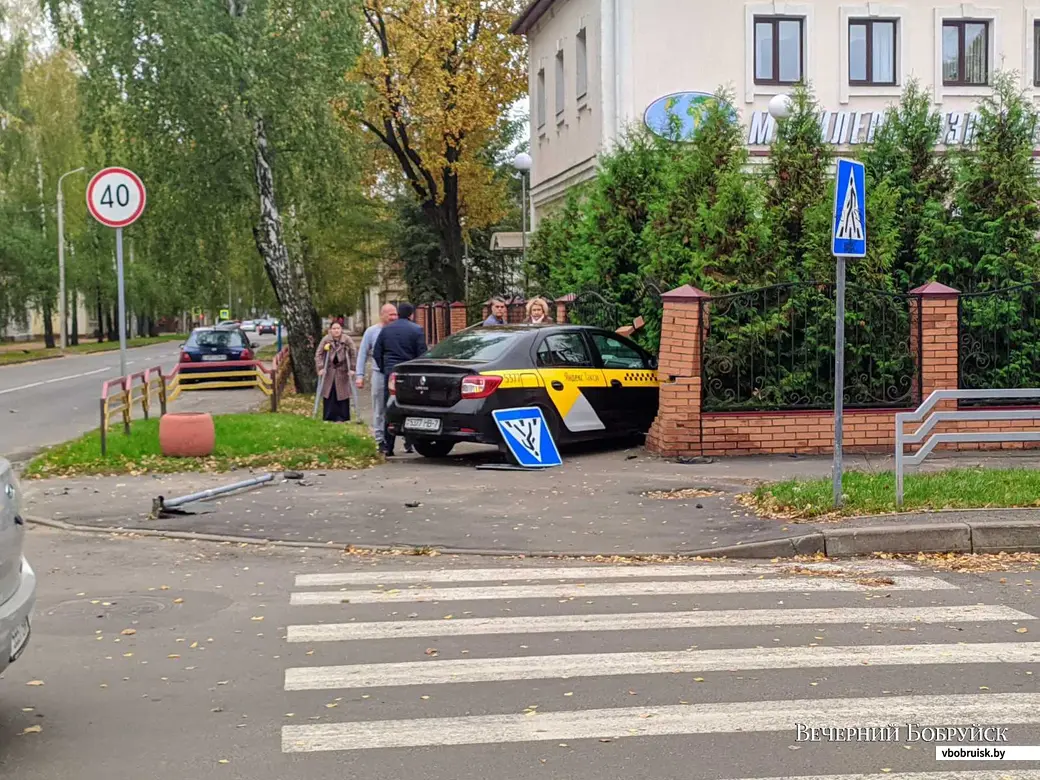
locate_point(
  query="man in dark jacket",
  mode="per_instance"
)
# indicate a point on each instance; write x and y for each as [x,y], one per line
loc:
[398,342]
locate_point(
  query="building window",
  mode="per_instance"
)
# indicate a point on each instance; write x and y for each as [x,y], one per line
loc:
[1036,53]
[561,86]
[581,63]
[779,49]
[540,98]
[872,52]
[965,53]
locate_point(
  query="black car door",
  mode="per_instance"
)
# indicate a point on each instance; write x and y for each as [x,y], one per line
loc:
[631,381]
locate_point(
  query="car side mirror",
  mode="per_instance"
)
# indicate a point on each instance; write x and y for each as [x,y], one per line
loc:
[255,344]
[653,363]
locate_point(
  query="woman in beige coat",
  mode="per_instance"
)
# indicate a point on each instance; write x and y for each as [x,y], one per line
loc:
[335,361]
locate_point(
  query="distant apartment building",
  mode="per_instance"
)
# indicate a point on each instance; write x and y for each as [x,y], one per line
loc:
[597,66]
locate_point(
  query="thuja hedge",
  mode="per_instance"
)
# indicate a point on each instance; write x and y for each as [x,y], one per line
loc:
[696,210]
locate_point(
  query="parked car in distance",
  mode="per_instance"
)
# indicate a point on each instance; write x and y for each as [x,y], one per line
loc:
[208,350]
[249,326]
[17,579]
[267,326]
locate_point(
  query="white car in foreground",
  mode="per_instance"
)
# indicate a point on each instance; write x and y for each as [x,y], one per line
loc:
[17,579]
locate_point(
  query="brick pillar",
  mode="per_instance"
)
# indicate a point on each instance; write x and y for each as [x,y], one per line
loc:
[441,319]
[420,317]
[458,316]
[937,346]
[561,307]
[677,429]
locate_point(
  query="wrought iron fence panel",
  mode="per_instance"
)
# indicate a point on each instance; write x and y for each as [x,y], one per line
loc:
[999,346]
[592,308]
[772,348]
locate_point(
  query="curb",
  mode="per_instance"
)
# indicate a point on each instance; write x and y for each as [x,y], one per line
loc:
[1011,536]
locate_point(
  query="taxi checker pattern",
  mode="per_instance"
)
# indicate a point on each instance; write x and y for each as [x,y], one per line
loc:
[522,629]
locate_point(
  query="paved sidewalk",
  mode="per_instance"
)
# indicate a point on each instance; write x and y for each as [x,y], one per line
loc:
[596,503]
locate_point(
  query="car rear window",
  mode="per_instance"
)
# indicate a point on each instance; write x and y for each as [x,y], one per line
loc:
[218,338]
[479,345]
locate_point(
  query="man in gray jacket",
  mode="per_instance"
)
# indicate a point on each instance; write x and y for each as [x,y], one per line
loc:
[387,314]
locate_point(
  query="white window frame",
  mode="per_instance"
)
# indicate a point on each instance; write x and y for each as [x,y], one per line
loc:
[1029,54]
[846,14]
[776,8]
[968,11]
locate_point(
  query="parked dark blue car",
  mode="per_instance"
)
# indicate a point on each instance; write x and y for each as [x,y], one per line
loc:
[209,350]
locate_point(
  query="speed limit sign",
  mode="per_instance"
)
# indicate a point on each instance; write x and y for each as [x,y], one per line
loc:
[116,197]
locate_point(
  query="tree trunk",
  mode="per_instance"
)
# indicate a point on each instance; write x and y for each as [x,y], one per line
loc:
[48,325]
[100,330]
[445,219]
[287,274]
[74,330]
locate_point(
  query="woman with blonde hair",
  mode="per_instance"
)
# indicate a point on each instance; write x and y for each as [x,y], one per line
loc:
[538,311]
[335,361]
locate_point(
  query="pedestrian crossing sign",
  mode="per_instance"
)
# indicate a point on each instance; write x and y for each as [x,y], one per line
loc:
[528,437]
[850,211]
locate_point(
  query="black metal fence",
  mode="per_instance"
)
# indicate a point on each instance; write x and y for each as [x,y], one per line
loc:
[772,348]
[999,338]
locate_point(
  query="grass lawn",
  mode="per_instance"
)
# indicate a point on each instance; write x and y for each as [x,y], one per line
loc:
[269,441]
[13,353]
[267,352]
[868,494]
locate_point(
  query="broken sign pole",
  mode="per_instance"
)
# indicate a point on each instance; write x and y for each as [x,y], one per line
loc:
[160,504]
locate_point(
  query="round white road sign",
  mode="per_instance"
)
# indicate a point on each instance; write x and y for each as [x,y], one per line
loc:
[116,197]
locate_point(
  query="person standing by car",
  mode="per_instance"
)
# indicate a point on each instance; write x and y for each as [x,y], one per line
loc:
[387,314]
[335,360]
[498,312]
[538,311]
[398,342]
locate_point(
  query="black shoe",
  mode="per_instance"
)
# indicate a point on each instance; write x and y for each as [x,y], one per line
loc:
[408,448]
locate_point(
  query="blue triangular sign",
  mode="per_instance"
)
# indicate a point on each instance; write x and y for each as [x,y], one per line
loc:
[527,435]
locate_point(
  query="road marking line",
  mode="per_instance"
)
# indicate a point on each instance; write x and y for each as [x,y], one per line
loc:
[642,621]
[565,667]
[701,718]
[51,381]
[609,589]
[574,573]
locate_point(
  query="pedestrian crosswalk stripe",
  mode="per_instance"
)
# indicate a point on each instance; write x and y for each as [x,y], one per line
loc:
[576,573]
[554,667]
[639,621]
[609,589]
[975,774]
[1007,709]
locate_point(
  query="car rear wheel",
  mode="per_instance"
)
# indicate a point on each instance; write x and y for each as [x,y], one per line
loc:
[433,448]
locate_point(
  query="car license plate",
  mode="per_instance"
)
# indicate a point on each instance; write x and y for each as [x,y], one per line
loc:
[429,424]
[209,358]
[19,639]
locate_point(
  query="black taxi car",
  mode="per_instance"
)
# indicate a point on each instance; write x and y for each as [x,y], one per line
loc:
[588,382]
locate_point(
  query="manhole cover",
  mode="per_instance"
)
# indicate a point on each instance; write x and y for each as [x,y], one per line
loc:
[116,612]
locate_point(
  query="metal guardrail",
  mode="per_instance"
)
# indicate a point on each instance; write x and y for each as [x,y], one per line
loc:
[930,441]
[121,395]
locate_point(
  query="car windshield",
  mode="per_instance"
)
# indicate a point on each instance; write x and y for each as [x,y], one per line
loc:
[480,345]
[217,338]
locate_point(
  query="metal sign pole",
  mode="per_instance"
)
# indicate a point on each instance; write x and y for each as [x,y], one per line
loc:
[839,379]
[122,301]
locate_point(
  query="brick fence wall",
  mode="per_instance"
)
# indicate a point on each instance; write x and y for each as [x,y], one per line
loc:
[683,428]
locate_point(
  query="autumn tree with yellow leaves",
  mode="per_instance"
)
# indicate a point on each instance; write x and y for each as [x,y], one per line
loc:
[440,76]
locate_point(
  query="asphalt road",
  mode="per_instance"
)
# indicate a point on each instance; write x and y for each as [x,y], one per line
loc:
[50,401]
[169,660]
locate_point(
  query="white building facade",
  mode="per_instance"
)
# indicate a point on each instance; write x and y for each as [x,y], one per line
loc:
[597,66]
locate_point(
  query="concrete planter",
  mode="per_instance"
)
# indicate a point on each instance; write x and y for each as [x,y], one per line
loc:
[186,435]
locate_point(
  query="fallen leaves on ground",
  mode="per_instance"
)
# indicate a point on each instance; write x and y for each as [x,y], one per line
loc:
[681,493]
[970,562]
[32,729]
[34,683]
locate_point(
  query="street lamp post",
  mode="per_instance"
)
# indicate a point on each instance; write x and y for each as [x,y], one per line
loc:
[61,258]
[523,163]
